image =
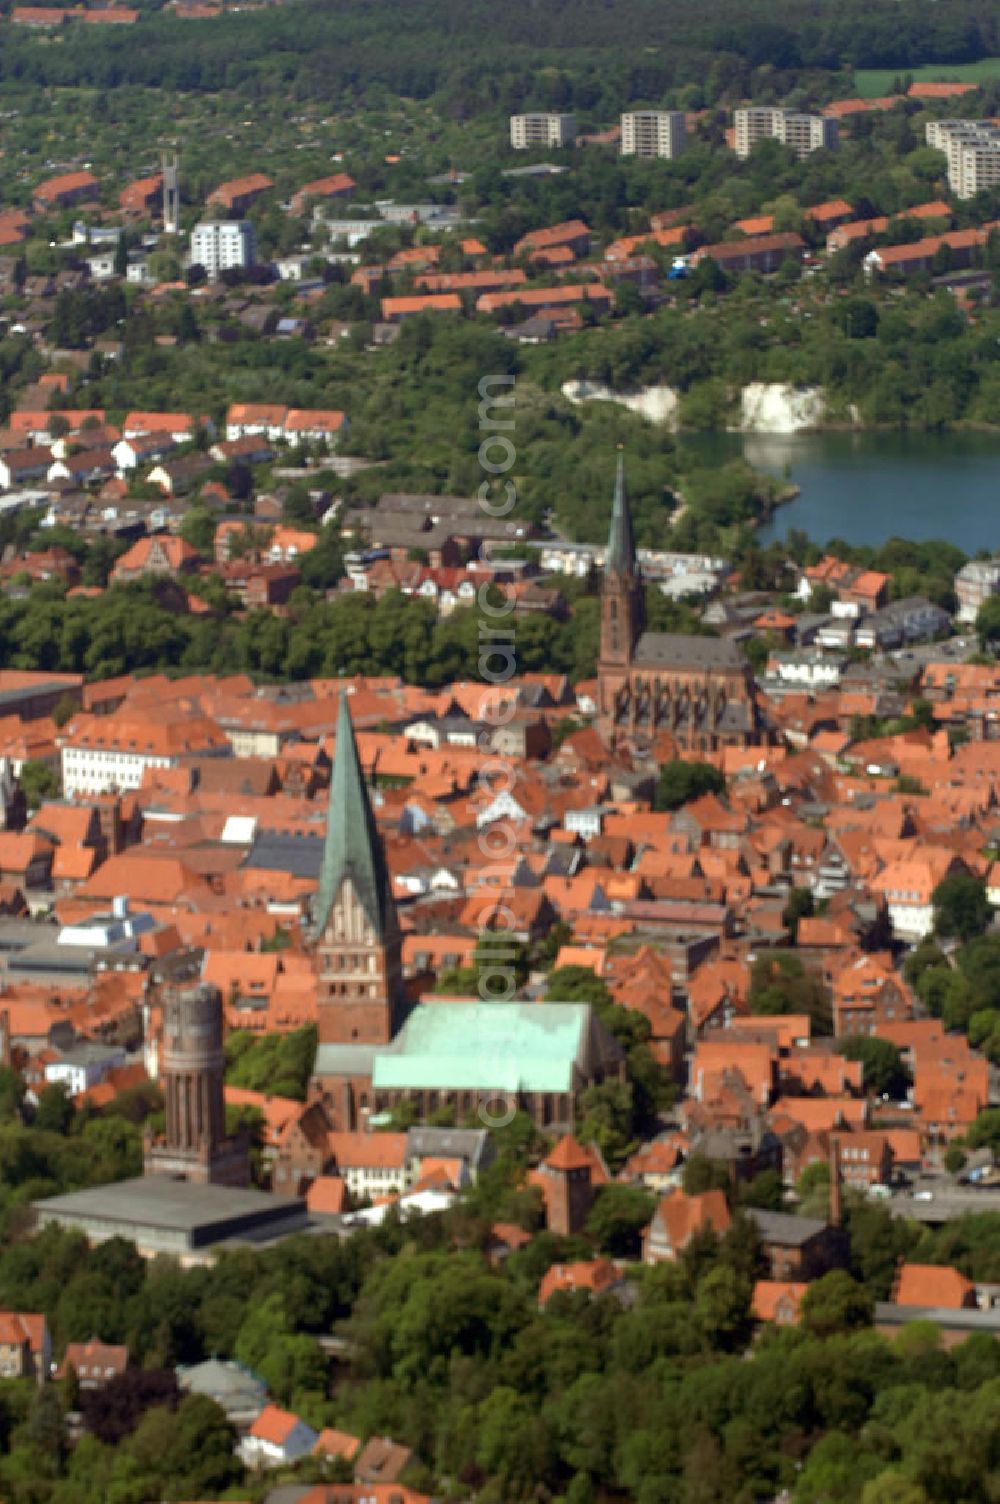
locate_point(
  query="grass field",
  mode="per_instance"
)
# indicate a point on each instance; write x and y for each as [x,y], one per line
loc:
[873,83]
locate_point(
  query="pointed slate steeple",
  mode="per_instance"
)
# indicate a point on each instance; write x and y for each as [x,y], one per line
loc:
[621,540]
[353,847]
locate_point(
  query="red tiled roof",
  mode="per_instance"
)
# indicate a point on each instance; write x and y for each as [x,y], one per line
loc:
[594,1276]
[931,90]
[68,182]
[227,193]
[932,1285]
[274,1425]
[778,1300]
[444,302]
[328,1195]
[567,1155]
[334,1443]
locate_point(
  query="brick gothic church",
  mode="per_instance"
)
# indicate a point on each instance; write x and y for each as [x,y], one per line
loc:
[699,690]
[377,1047]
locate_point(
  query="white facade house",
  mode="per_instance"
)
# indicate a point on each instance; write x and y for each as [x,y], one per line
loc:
[181,428]
[381,1171]
[86,771]
[129,454]
[586,823]
[105,754]
[910,920]
[416,1204]
[102,265]
[222,245]
[975,583]
[908,890]
[276,1438]
[22,465]
[503,807]
[811,670]
[84,1065]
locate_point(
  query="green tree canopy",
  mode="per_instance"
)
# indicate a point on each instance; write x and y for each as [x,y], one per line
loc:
[884,1071]
[961,908]
[680,782]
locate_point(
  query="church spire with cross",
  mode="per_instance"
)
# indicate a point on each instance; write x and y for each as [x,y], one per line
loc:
[355,924]
[622,599]
[621,540]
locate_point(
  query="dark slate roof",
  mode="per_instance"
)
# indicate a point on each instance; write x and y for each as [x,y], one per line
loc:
[353,847]
[300,855]
[472,1144]
[783,1227]
[561,861]
[621,541]
[677,650]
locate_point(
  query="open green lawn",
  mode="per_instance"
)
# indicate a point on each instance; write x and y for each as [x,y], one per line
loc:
[872,83]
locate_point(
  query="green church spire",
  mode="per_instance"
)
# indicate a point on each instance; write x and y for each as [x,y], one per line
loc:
[353,847]
[621,541]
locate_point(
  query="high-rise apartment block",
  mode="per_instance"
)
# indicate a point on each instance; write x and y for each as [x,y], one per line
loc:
[652,133]
[801,133]
[972,148]
[542,129]
[220,244]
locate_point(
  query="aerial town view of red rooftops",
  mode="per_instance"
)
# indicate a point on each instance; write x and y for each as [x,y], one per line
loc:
[499,753]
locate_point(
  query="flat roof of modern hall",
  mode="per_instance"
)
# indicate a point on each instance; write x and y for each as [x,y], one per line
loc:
[161,1215]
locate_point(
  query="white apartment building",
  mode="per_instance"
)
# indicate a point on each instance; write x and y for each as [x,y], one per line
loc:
[222,244]
[103,754]
[972,148]
[542,129]
[800,132]
[653,133]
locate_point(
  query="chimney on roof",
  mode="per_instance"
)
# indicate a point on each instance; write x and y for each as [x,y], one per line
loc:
[836,1185]
[119,907]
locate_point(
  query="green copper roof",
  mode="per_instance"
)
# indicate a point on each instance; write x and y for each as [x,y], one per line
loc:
[621,542]
[353,846]
[530,1047]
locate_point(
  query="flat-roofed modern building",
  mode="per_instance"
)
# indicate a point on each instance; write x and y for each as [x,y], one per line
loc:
[653,133]
[223,244]
[542,129]
[972,148]
[800,132]
[178,1217]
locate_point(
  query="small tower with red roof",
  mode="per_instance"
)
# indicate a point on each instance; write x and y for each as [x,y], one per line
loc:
[566,1179]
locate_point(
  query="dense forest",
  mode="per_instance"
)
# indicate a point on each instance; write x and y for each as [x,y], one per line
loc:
[478,55]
